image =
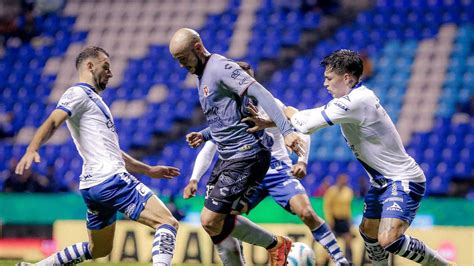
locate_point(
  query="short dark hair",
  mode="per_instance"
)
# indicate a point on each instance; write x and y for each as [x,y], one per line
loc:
[344,61]
[92,51]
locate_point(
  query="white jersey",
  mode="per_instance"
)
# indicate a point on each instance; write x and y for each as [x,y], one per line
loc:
[369,132]
[92,129]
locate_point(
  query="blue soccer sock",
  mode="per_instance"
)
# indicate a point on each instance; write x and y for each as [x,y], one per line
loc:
[163,245]
[73,254]
[326,238]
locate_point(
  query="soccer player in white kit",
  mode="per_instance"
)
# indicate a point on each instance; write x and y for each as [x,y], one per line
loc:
[397,182]
[105,183]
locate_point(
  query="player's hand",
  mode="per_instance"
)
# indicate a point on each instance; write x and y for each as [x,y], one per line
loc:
[190,189]
[159,171]
[299,170]
[195,139]
[259,122]
[26,161]
[294,142]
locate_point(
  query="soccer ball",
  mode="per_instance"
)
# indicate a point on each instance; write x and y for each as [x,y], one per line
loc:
[301,254]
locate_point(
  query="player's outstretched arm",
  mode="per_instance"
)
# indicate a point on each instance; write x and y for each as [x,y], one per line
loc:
[269,105]
[157,171]
[44,132]
[202,163]
[308,121]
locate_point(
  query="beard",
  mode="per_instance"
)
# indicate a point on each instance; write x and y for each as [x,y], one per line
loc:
[200,65]
[98,84]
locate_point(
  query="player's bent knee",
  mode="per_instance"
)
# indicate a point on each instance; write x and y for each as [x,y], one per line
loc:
[386,240]
[307,214]
[366,233]
[209,225]
[171,221]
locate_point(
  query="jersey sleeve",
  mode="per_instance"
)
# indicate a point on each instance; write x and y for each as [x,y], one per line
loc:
[72,101]
[203,160]
[337,111]
[280,104]
[234,77]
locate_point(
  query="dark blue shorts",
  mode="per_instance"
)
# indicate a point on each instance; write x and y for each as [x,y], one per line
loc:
[281,186]
[234,180]
[399,199]
[121,192]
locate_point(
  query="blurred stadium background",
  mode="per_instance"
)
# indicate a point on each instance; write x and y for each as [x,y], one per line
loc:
[419,59]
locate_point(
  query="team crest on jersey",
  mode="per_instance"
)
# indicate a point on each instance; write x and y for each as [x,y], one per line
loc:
[205,90]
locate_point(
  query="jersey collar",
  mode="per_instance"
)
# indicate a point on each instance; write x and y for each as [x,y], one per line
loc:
[358,85]
[86,85]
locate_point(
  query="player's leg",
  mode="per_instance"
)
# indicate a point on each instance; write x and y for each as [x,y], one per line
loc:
[301,206]
[230,249]
[236,178]
[401,202]
[219,226]
[99,245]
[369,227]
[139,203]
[157,216]
[101,230]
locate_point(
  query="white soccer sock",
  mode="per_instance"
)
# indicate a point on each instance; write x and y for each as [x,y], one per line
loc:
[163,245]
[73,254]
[376,252]
[324,236]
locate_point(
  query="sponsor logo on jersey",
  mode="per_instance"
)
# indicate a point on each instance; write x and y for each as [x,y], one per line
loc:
[85,177]
[398,199]
[245,148]
[228,66]
[342,106]
[235,74]
[244,80]
[395,207]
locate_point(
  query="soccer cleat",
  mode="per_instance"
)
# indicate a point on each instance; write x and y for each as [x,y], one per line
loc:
[279,253]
